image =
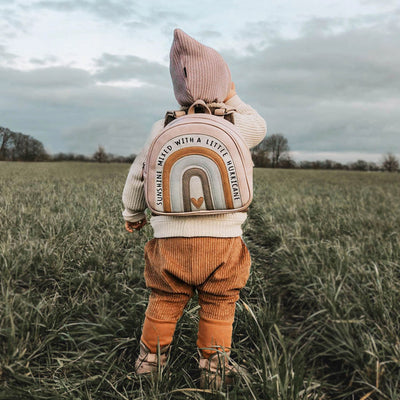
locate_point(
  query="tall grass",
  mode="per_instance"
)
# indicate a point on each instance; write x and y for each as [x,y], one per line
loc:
[318,319]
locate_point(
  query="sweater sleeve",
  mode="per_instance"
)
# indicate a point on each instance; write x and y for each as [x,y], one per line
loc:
[251,125]
[133,197]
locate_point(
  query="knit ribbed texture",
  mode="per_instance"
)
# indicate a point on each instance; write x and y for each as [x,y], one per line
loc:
[197,71]
[251,126]
[217,267]
[222,225]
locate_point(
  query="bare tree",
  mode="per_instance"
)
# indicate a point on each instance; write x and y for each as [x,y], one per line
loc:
[390,163]
[270,151]
[259,155]
[277,146]
[260,158]
[100,155]
[5,136]
[19,147]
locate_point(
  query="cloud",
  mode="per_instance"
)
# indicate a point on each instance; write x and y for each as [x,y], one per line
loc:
[107,9]
[323,26]
[65,109]
[131,13]
[44,61]
[111,67]
[6,56]
[352,65]
[10,22]
[41,79]
[119,119]
[328,90]
[379,3]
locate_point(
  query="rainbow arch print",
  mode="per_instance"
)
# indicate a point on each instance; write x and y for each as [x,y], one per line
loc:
[210,170]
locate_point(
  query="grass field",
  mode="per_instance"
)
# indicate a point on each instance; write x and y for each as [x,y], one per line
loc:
[319,318]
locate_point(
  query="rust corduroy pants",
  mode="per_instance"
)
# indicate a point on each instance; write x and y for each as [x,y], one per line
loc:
[175,267]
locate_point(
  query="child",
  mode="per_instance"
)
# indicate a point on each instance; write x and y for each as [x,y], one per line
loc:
[193,253]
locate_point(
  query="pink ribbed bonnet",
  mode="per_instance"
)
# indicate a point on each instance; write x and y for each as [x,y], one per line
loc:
[197,71]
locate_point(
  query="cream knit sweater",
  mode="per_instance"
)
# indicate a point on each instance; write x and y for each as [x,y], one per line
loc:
[252,128]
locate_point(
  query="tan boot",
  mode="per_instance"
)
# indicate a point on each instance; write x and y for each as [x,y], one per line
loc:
[148,363]
[216,371]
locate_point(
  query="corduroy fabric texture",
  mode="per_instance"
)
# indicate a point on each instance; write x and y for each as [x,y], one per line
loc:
[197,71]
[175,267]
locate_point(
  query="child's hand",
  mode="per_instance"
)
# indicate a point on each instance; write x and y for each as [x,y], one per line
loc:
[231,93]
[130,226]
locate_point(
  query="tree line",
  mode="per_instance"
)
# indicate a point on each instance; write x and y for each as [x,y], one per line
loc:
[16,146]
[272,152]
[100,155]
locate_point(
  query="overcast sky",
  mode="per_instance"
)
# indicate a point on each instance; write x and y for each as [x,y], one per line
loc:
[76,74]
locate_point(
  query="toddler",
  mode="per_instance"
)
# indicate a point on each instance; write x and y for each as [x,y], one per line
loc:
[203,254]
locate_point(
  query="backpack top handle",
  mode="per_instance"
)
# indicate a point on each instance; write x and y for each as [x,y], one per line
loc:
[199,106]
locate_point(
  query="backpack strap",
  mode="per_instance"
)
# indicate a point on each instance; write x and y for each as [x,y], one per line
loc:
[171,115]
[226,112]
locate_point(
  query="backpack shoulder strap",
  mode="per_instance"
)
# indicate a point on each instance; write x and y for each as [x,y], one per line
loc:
[172,115]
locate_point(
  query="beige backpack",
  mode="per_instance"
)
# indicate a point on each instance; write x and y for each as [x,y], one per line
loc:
[198,165]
